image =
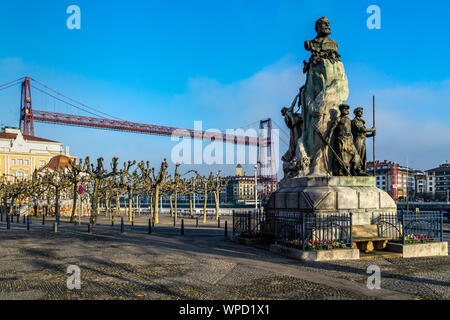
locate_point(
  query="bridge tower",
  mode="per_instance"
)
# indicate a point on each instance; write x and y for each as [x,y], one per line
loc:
[26,110]
[266,154]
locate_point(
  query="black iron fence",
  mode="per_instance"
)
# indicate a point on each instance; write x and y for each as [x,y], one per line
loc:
[247,223]
[412,227]
[312,231]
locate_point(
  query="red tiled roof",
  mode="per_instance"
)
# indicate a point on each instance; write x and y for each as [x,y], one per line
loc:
[58,163]
[12,136]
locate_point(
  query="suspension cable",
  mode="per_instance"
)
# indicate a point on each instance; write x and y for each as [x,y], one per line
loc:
[11,82]
[70,104]
[75,101]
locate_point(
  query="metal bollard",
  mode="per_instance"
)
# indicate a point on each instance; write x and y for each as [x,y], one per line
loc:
[174,223]
[196,222]
[1,216]
[218,222]
[28,223]
[121,224]
[150,226]
[24,221]
[182,227]
[43,219]
[18,216]
[55,227]
[8,222]
[226,229]
[90,228]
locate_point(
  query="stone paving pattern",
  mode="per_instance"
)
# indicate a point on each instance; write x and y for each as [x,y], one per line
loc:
[202,264]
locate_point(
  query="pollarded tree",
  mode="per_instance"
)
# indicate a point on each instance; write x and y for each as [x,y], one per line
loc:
[97,175]
[58,182]
[13,190]
[202,186]
[216,185]
[37,189]
[146,183]
[158,183]
[125,183]
[75,176]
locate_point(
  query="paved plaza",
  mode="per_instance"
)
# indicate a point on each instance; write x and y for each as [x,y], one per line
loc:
[201,264]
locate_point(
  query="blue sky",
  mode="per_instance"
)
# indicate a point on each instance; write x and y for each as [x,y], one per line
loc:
[227,63]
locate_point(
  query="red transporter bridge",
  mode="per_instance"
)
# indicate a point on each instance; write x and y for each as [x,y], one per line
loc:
[264,142]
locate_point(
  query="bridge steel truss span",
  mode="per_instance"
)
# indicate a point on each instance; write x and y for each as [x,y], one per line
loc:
[264,142]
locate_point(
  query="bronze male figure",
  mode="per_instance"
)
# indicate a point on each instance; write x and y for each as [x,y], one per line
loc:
[344,147]
[360,132]
[321,47]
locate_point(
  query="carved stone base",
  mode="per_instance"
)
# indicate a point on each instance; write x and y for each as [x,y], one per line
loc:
[333,194]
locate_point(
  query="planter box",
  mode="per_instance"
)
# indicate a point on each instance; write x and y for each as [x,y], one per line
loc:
[316,255]
[247,241]
[415,250]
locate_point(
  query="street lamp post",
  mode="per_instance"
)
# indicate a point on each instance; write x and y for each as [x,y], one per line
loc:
[256,183]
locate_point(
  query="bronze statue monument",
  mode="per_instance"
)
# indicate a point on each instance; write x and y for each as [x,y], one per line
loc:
[324,167]
[325,89]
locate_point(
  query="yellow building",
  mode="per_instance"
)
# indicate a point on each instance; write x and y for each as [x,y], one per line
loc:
[21,154]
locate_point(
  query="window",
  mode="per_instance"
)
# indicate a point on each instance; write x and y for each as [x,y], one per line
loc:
[19,162]
[26,162]
[13,162]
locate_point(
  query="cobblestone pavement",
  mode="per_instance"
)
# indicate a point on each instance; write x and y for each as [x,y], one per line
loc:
[202,264]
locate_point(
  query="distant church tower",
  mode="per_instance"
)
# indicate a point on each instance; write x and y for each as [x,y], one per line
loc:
[239,170]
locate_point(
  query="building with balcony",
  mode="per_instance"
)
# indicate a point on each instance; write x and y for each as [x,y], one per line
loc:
[21,154]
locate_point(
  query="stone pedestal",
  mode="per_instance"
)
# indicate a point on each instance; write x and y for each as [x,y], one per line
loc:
[319,194]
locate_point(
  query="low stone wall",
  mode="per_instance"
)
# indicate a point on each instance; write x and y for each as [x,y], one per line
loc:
[315,255]
[416,250]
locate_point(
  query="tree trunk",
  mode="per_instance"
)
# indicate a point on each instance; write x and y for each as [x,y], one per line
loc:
[139,206]
[49,206]
[190,205]
[171,206]
[74,203]
[204,206]
[217,204]
[130,206]
[117,204]
[151,206]
[57,195]
[176,208]
[156,216]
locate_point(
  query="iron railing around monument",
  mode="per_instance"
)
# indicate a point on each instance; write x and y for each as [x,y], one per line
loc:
[307,231]
[412,227]
[247,222]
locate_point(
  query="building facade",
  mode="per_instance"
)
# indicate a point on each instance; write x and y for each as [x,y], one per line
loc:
[399,181]
[402,182]
[439,180]
[21,154]
[241,188]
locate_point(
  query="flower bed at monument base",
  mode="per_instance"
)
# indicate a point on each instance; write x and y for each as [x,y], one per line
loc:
[315,255]
[315,244]
[427,249]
